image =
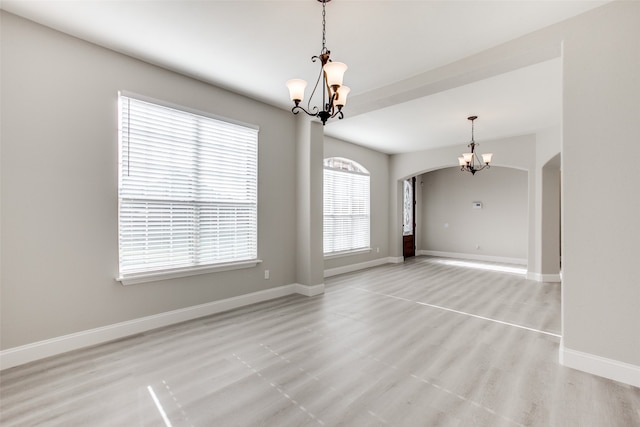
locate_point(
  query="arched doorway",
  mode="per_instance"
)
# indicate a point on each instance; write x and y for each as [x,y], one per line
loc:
[550,225]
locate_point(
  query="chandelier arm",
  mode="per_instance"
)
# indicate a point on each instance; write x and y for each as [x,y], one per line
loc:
[315,87]
[325,92]
[335,112]
[478,160]
[327,105]
[339,114]
[297,108]
[473,169]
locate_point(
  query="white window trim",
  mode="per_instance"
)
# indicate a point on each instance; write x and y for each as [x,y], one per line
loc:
[342,254]
[133,279]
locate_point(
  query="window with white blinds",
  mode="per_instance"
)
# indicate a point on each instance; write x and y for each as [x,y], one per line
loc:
[187,190]
[346,206]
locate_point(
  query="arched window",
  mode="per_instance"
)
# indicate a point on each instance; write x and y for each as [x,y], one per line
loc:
[346,206]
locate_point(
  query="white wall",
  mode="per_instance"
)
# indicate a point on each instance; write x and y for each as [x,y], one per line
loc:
[59,187]
[450,224]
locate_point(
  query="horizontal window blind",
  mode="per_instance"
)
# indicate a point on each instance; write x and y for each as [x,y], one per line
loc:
[187,189]
[346,209]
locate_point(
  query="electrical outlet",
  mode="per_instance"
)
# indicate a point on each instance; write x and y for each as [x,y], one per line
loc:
[266,274]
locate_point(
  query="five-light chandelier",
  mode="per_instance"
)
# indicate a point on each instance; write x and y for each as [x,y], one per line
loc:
[334,94]
[470,162]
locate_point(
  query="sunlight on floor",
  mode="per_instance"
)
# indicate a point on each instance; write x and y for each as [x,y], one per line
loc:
[459,312]
[159,406]
[482,266]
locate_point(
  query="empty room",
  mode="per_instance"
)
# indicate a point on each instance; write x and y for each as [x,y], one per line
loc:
[319,213]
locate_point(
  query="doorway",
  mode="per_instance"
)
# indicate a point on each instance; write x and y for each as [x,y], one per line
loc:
[409,218]
[550,221]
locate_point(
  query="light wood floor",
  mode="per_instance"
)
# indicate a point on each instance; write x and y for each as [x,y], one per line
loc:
[424,343]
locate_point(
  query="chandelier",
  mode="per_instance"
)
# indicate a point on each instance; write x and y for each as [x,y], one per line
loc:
[334,94]
[470,162]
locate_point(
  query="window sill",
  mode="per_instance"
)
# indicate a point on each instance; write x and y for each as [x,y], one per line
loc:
[132,279]
[347,253]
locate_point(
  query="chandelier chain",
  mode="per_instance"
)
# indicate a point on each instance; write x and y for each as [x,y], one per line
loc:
[472,129]
[324,23]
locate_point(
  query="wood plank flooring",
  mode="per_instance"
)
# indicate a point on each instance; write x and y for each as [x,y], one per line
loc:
[431,342]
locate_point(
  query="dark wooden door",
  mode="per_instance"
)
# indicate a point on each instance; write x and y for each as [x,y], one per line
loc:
[409,217]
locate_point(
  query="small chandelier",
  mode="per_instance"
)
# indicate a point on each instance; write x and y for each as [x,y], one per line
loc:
[468,161]
[334,94]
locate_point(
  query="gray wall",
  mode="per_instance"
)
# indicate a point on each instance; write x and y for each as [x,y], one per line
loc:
[516,153]
[449,223]
[601,200]
[59,187]
[378,166]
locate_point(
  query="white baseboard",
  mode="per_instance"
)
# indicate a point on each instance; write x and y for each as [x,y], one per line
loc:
[550,278]
[474,257]
[360,266]
[601,366]
[54,346]
[309,291]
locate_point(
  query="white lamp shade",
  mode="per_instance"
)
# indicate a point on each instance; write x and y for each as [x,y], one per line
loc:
[461,161]
[341,98]
[467,157]
[296,89]
[487,157]
[335,72]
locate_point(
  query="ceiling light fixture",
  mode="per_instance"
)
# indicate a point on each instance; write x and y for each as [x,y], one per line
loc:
[468,161]
[334,94]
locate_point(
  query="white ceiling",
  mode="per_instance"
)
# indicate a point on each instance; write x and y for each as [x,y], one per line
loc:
[253,47]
